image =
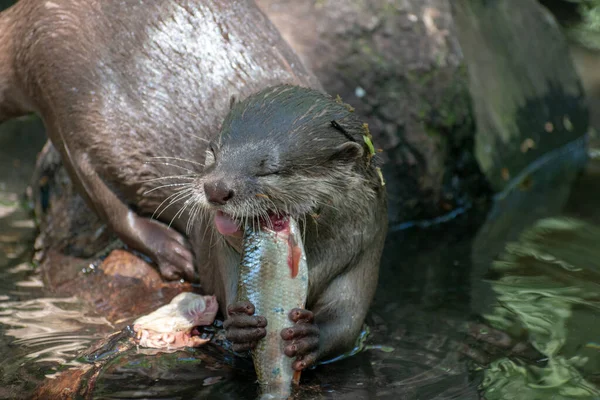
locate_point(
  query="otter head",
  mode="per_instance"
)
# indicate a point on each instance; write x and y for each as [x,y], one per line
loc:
[284,151]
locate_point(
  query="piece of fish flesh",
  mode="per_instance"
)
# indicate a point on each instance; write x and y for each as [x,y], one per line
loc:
[171,326]
[273,276]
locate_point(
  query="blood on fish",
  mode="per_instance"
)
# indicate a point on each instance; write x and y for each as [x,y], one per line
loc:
[296,377]
[279,223]
[294,255]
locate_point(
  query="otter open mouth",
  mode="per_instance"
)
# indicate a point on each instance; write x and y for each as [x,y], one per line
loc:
[229,226]
[226,225]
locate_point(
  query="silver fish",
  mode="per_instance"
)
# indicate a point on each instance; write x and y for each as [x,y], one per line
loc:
[273,276]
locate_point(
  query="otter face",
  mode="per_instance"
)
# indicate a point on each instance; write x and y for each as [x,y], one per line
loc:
[284,151]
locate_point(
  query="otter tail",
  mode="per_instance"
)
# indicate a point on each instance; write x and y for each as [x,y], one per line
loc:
[13,101]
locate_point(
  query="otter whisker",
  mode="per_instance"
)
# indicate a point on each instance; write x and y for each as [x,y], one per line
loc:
[248,212]
[199,138]
[265,216]
[179,159]
[188,177]
[245,222]
[195,212]
[245,215]
[165,186]
[206,216]
[303,227]
[189,217]
[182,195]
[174,198]
[190,222]
[268,198]
[240,216]
[214,240]
[260,214]
[177,193]
[197,215]
[181,210]
[171,165]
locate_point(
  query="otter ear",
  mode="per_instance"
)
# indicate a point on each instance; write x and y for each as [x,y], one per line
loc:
[348,152]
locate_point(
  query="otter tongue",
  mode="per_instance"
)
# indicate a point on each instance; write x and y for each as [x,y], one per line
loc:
[225,225]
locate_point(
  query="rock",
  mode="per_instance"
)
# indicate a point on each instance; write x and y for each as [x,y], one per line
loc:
[579,21]
[448,87]
[71,384]
[400,65]
[123,263]
[526,94]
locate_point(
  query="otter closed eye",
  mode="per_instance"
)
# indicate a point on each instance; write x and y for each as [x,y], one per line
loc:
[209,158]
[269,165]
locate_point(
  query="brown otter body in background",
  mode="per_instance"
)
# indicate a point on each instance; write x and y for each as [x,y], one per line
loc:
[120,82]
[132,93]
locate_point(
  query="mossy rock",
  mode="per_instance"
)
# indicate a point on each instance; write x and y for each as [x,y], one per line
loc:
[526,94]
[400,65]
[453,93]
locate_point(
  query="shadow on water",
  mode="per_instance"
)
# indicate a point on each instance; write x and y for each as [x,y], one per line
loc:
[519,267]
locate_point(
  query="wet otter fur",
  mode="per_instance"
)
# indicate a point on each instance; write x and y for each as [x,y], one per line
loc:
[125,88]
[294,151]
[133,97]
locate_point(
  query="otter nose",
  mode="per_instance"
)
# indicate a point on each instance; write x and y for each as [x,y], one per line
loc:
[217,192]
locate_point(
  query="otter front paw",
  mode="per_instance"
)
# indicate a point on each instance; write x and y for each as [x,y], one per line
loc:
[242,328]
[167,248]
[302,339]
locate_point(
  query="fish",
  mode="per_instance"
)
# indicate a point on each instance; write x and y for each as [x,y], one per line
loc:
[172,326]
[273,276]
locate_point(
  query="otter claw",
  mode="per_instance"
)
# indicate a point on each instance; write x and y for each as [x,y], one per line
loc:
[168,248]
[305,362]
[176,263]
[242,328]
[301,339]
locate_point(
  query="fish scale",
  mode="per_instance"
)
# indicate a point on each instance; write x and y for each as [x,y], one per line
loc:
[265,280]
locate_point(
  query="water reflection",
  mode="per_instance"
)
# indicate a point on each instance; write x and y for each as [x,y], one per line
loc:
[38,323]
[547,284]
[535,275]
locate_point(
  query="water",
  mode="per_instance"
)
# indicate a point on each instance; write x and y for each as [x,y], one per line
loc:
[435,279]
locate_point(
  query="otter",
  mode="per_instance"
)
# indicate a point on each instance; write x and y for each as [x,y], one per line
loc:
[178,121]
[291,151]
